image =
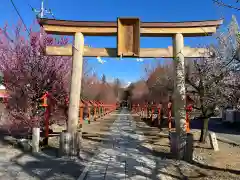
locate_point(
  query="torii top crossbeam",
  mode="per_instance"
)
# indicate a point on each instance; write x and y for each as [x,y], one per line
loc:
[128,32]
[149,29]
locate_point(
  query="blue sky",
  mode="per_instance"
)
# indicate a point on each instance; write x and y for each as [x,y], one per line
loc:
[109,10]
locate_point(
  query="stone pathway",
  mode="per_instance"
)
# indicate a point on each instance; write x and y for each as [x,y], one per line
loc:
[124,156]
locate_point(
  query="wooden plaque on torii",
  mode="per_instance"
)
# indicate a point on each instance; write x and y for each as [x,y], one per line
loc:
[128,37]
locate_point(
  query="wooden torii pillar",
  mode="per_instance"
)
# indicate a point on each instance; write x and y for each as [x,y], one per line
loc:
[128,32]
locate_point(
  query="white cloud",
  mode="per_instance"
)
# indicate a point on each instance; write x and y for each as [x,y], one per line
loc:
[100,60]
[140,60]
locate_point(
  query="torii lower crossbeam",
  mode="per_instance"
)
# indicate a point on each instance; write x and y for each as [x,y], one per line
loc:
[112,52]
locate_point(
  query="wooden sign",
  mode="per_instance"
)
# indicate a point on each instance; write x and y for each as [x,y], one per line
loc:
[128,37]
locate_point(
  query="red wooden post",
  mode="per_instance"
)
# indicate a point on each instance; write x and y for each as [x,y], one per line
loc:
[104,109]
[95,111]
[102,106]
[159,113]
[98,107]
[45,104]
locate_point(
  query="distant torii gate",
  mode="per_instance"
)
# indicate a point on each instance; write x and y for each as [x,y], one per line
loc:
[128,32]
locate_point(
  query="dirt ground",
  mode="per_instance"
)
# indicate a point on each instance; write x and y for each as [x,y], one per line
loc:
[17,164]
[207,164]
[94,134]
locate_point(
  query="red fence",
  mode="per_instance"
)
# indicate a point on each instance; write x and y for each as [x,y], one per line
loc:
[148,111]
[88,110]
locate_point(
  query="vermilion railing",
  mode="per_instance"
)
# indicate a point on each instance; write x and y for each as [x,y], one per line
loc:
[91,110]
[147,111]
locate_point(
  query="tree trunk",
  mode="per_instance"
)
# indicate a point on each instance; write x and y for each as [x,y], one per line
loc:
[204,130]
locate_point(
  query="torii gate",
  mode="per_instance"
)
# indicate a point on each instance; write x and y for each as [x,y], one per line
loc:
[128,32]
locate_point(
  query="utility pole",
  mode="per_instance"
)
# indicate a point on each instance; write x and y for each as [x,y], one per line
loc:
[42,9]
[41,13]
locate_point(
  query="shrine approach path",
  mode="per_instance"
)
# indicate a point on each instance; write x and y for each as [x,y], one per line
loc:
[124,155]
